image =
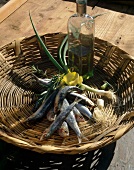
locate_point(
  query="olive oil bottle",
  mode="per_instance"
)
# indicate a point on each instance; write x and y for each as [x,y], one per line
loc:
[81,41]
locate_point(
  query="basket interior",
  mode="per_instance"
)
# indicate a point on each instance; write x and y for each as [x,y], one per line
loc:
[19,89]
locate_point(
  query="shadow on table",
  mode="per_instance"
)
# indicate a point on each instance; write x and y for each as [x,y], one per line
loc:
[119,6]
[14,158]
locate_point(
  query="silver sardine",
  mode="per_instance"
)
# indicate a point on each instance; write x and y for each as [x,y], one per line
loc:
[63,131]
[45,82]
[43,109]
[62,94]
[78,116]
[51,115]
[70,119]
[84,98]
[84,110]
[58,121]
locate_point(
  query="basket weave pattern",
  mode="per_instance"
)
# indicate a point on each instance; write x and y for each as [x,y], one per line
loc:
[18,89]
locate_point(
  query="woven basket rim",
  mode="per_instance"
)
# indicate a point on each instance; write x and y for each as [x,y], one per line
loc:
[111,135]
[43,34]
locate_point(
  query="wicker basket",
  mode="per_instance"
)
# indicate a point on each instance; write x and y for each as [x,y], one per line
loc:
[18,89]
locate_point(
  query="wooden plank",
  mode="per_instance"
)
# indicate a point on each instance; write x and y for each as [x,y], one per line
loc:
[52,16]
[9,8]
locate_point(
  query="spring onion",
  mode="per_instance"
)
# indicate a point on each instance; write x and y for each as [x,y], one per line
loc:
[63,55]
[45,48]
[100,103]
[109,94]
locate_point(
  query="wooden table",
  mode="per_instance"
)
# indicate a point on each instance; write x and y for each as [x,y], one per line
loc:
[49,16]
[52,16]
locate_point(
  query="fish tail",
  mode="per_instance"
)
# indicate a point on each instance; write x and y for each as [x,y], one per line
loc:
[81,137]
[32,119]
[85,138]
[43,136]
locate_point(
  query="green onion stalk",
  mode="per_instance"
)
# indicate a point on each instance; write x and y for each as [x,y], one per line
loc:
[60,68]
[109,94]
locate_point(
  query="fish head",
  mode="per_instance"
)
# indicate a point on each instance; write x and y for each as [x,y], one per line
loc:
[51,116]
[44,134]
[79,118]
[63,132]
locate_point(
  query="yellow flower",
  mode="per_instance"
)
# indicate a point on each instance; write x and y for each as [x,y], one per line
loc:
[72,79]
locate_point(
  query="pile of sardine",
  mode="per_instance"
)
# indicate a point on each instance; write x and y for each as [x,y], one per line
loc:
[65,107]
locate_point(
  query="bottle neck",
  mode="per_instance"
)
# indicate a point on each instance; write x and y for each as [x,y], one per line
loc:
[81,8]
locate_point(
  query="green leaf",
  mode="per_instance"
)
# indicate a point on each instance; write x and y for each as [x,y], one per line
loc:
[62,54]
[45,48]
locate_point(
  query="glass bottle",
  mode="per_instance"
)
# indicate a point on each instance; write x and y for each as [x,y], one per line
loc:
[81,41]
